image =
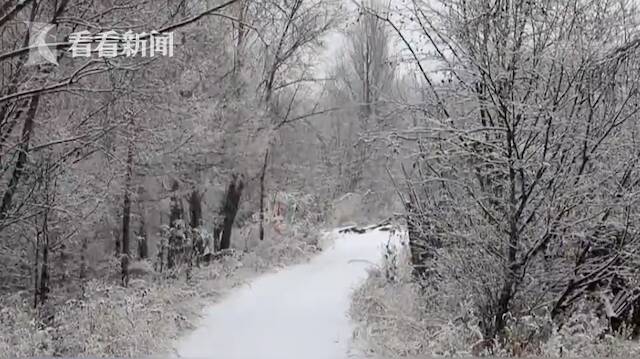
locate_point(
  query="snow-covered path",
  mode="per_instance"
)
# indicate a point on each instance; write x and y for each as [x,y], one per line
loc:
[297,313]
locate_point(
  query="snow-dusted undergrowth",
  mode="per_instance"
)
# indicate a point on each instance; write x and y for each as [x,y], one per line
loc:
[145,318]
[395,318]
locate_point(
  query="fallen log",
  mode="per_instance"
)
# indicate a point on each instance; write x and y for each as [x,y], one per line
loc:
[382,226]
[353,229]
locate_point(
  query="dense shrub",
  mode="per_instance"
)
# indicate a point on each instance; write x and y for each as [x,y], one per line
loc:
[396,316]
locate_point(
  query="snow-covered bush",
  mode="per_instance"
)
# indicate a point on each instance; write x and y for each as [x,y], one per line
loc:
[107,320]
[397,317]
[292,228]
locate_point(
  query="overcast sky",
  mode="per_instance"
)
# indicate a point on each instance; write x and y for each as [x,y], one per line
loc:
[334,41]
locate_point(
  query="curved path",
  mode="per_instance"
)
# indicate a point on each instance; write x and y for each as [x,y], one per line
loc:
[297,313]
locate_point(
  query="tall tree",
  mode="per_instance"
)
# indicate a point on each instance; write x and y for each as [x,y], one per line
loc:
[523,160]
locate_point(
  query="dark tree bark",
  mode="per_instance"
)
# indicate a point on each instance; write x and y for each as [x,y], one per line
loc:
[36,273]
[83,263]
[143,247]
[27,129]
[41,271]
[44,272]
[228,212]
[195,214]
[195,209]
[177,212]
[126,216]
[116,235]
[264,171]
[142,244]
[42,242]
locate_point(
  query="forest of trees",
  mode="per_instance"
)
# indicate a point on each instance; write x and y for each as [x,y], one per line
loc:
[522,187]
[505,132]
[126,158]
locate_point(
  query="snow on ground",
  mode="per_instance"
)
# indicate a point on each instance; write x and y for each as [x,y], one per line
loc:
[299,312]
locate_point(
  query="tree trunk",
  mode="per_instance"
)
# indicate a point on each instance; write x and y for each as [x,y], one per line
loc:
[44,273]
[116,235]
[177,211]
[126,215]
[36,272]
[143,246]
[42,283]
[228,212]
[238,53]
[83,263]
[7,198]
[264,171]
[195,209]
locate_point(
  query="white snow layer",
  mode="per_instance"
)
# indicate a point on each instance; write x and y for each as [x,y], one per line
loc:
[297,313]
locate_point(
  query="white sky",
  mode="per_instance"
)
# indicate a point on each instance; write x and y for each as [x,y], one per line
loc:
[334,41]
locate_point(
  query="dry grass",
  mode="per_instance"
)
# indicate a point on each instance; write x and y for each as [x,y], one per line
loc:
[396,319]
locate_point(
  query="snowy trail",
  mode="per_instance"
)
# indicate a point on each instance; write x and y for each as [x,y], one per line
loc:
[297,313]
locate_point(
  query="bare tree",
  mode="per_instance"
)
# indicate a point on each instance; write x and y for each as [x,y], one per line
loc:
[523,163]
[362,81]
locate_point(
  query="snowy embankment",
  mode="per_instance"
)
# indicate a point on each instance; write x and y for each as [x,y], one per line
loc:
[298,312]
